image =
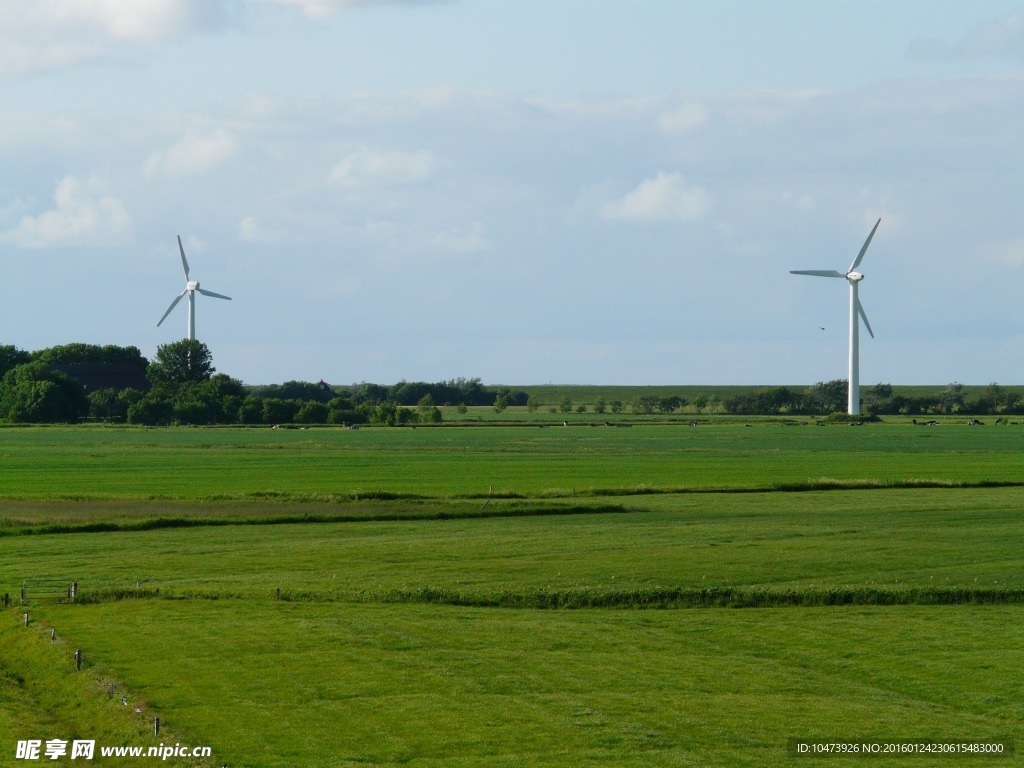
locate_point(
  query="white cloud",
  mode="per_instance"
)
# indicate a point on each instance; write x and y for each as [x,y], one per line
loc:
[58,33]
[1005,253]
[470,239]
[193,155]
[666,197]
[683,119]
[252,231]
[84,215]
[366,167]
[318,9]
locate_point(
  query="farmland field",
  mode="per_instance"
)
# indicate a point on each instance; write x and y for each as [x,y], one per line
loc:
[655,595]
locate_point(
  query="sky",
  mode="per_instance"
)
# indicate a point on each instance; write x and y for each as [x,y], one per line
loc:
[524,191]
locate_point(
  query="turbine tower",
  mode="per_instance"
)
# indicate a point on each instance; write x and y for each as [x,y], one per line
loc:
[191,288]
[853,277]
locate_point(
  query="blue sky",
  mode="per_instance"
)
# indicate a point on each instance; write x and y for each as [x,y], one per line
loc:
[525,191]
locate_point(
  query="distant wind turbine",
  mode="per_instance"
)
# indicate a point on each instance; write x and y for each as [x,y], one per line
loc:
[853,278]
[191,288]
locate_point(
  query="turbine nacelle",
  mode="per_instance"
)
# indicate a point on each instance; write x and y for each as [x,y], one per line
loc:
[192,285]
[854,277]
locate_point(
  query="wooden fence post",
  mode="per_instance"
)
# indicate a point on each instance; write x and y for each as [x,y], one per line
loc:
[78,660]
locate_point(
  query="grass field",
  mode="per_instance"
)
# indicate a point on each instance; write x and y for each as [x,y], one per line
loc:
[335,597]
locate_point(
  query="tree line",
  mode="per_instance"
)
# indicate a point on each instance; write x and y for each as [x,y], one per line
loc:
[183,387]
[880,400]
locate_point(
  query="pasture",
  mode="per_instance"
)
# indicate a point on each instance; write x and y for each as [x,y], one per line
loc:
[654,595]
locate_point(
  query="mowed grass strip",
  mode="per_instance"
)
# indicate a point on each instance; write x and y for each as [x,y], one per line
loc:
[893,539]
[259,464]
[274,684]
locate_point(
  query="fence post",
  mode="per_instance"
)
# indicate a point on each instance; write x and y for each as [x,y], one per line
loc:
[26,619]
[53,634]
[74,590]
[156,727]
[78,659]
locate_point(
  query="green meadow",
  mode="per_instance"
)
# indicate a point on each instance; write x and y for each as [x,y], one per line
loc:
[658,595]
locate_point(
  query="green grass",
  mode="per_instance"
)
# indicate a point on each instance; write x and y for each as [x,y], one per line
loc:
[43,697]
[330,597]
[341,684]
[318,465]
[890,538]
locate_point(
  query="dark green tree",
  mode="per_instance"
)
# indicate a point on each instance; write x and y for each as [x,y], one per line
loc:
[827,396]
[35,393]
[951,399]
[312,412]
[11,356]
[181,362]
[154,408]
[103,404]
[92,354]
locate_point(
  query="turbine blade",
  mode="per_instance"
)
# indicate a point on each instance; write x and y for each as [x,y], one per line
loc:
[817,272]
[173,305]
[864,317]
[184,262]
[864,248]
[211,293]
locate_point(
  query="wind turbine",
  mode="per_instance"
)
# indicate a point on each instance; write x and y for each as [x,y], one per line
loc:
[853,277]
[191,288]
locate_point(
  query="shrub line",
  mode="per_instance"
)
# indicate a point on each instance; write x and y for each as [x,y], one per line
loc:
[595,598]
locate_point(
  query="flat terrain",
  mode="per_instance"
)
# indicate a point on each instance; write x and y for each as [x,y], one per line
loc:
[653,595]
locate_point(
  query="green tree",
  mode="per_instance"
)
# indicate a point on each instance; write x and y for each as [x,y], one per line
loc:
[154,408]
[92,354]
[951,399]
[532,404]
[600,404]
[617,406]
[250,411]
[828,396]
[277,411]
[35,393]
[669,404]
[992,399]
[879,398]
[700,401]
[312,412]
[566,405]
[103,404]
[644,405]
[181,362]
[11,357]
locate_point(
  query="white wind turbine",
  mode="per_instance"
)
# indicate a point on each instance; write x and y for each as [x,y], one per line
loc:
[191,287]
[853,278]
